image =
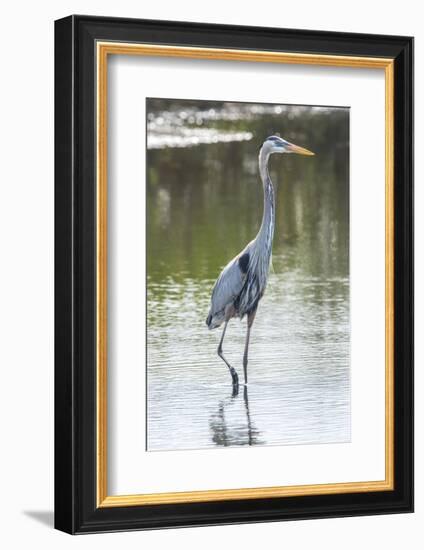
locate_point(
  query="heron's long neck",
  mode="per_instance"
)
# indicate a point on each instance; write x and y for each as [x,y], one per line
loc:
[266,231]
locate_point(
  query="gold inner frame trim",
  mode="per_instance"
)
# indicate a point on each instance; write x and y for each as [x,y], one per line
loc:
[103,50]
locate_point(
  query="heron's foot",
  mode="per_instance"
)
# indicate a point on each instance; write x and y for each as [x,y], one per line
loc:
[234,376]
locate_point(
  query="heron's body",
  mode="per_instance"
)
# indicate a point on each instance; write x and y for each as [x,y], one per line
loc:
[242,282]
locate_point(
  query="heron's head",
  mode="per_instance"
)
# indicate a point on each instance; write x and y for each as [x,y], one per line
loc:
[276,144]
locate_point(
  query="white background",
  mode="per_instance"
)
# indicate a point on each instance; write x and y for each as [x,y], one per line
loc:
[26,289]
[131,80]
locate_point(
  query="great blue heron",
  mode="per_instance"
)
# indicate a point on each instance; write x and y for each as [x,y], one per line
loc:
[242,282]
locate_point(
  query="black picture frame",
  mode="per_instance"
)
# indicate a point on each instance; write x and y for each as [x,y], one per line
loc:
[76,510]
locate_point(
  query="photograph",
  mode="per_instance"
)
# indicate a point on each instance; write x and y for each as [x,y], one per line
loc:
[233,255]
[247,274]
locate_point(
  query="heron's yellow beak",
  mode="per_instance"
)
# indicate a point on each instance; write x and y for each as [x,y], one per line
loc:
[292,148]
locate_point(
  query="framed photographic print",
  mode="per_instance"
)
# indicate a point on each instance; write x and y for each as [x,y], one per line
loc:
[233,273]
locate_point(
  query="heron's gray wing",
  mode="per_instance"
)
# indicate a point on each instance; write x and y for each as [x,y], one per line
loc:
[230,283]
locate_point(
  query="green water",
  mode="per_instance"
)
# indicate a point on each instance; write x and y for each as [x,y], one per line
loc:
[204,204]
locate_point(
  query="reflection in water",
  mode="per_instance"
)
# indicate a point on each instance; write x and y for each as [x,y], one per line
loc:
[204,203]
[231,424]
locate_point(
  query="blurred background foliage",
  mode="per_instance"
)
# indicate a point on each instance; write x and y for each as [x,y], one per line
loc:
[205,199]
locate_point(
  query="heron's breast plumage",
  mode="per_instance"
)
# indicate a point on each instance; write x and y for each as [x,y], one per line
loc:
[256,280]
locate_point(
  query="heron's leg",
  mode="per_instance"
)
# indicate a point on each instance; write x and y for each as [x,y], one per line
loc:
[250,319]
[232,369]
